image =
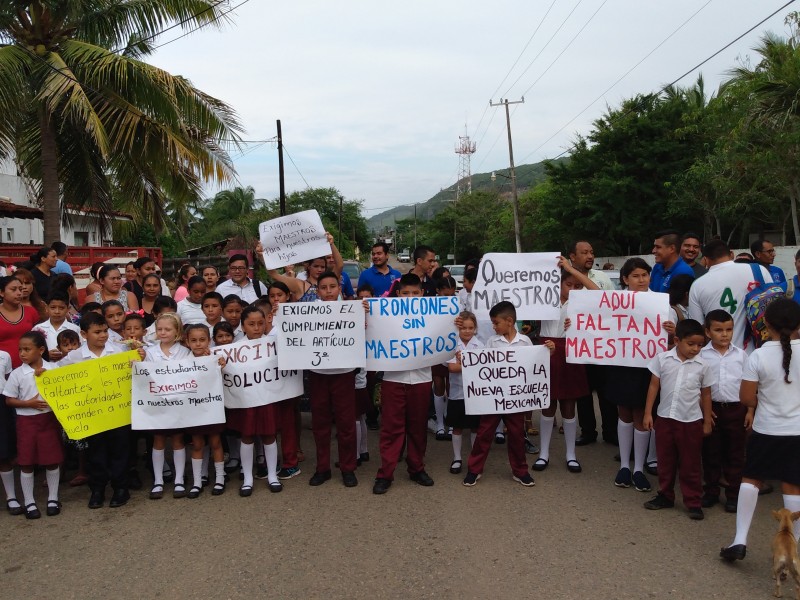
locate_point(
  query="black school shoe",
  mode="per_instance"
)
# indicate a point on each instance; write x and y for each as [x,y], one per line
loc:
[120,498]
[732,553]
[422,478]
[319,478]
[658,503]
[696,514]
[349,479]
[707,501]
[97,499]
[381,485]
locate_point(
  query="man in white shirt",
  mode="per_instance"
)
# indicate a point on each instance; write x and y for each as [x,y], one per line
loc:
[239,283]
[724,286]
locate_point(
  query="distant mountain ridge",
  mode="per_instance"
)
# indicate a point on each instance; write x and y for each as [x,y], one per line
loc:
[527,176]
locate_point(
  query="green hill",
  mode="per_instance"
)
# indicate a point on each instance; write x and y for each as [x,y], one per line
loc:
[527,176]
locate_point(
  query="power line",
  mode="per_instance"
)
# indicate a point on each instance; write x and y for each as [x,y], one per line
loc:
[295,165]
[697,66]
[233,8]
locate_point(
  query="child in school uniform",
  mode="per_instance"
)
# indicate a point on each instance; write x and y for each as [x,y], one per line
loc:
[114,314]
[58,311]
[457,418]
[212,310]
[162,304]
[568,381]
[169,331]
[190,309]
[504,317]
[67,341]
[38,430]
[723,450]
[445,286]
[684,417]
[134,330]
[232,307]
[222,334]
[771,385]
[405,396]
[108,452]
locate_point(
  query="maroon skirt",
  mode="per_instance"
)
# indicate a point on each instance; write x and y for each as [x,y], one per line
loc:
[253,421]
[567,380]
[39,440]
[213,429]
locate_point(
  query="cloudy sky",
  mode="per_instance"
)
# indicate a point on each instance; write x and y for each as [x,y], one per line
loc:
[372,96]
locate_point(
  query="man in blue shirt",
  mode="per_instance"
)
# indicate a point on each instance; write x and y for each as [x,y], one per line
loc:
[668,261]
[61,255]
[380,275]
[764,253]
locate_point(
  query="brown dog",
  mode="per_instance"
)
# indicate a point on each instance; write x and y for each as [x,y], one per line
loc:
[784,551]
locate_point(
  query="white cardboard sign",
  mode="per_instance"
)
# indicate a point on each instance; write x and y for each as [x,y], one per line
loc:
[505,380]
[179,394]
[530,281]
[321,335]
[616,327]
[293,238]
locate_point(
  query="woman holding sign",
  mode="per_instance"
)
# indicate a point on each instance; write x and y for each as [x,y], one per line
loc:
[306,290]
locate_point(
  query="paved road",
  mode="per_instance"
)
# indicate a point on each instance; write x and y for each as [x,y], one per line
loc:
[570,536]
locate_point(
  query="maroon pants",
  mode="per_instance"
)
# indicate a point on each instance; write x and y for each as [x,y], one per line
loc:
[286,416]
[333,400]
[679,448]
[405,415]
[515,440]
[723,450]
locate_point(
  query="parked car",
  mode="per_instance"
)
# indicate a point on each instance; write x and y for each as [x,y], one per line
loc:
[404,256]
[457,273]
[614,277]
[353,270]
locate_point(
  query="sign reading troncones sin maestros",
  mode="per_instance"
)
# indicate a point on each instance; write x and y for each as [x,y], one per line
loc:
[506,380]
[531,282]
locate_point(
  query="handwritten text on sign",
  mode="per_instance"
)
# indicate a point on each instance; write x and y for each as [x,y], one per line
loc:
[174,395]
[616,328]
[90,397]
[411,332]
[531,282]
[251,376]
[321,335]
[506,380]
[293,239]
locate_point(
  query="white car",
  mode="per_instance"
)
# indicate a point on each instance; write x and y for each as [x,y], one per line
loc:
[404,257]
[457,273]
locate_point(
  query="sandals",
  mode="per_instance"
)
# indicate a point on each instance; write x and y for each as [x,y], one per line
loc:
[32,513]
[53,508]
[169,474]
[651,467]
[14,510]
[275,486]
[157,492]
[245,491]
[540,464]
[455,467]
[218,489]
[443,436]
[573,466]
[179,491]
[204,480]
[194,492]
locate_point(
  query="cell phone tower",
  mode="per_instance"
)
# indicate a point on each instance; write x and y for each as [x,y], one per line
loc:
[465,149]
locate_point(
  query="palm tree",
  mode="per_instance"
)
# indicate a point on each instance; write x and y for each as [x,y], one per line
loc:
[87,120]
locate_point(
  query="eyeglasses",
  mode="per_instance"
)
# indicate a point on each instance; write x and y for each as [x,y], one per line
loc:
[237,268]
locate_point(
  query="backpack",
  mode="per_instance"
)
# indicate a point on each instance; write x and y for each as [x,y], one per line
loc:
[758,298]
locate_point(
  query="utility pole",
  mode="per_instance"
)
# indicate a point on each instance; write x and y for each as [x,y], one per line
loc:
[514,197]
[280,171]
[415,229]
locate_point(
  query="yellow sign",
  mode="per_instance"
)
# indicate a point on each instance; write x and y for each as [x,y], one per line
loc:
[92,396]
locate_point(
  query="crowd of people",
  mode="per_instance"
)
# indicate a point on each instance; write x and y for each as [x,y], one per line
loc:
[714,411]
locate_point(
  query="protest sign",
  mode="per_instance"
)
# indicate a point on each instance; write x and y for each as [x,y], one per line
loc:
[616,327]
[531,282]
[90,397]
[293,238]
[505,380]
[320,335]
[175,395]
[411,332]
[251,376]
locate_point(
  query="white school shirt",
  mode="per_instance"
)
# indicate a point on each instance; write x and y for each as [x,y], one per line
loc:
[246,292]
[51,333]
[409,377]
[83,353]
[154,353]
[725,286]
[500,341]
[681,382]
[5,369]
[361,378]
[727,369]
[21,385]
[778,410]
[485,329]
[555,327]
[456,382]
[190,313]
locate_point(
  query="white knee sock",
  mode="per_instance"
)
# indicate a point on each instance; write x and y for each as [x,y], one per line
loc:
[179,457]
[246,455]
[158,467]
[651,451]
[26,481]
[748,498]
[358,438]
[793,504]
[53,475]
[206,457]
[500,427]
[271,454]
[456,446]
[545,434]
[641,441]
[570,433]
[197,472]
[472,436]
[439,404]
[625,437]
[219,472]
[8,485]
[233,447]
[363,448]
